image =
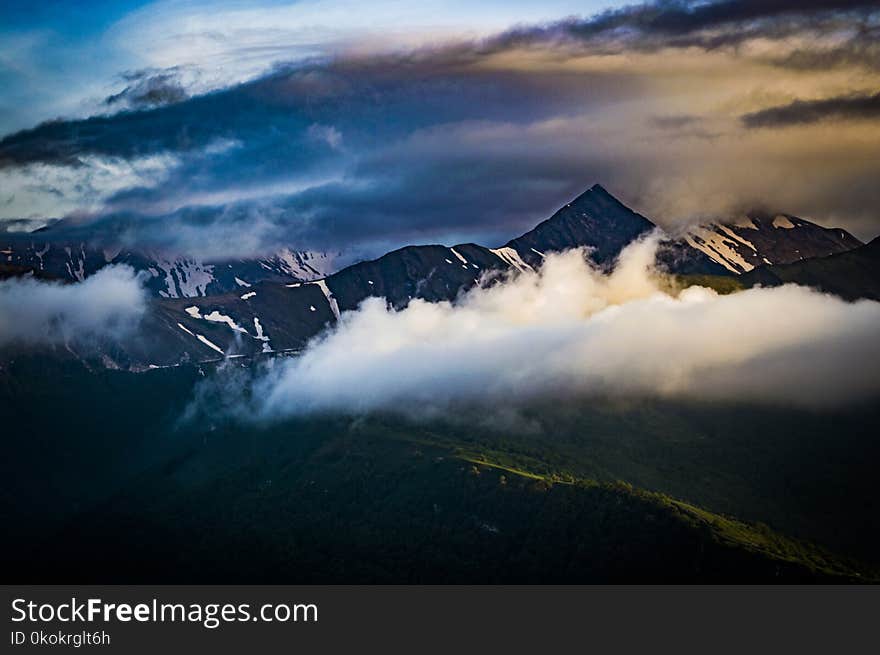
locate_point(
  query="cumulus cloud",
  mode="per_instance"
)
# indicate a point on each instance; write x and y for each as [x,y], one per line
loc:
[106,305]
[39,190]
[571,332]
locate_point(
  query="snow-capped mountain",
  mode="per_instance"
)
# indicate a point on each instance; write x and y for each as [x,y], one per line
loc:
[48,255]
[600,222]
[206,312]
[761,239]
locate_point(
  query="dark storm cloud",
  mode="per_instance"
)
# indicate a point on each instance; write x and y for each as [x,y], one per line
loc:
[676,122]
[684,17]
[682,125]
[392,197]
[862,49]
[295,97]
[371,99]
[801,112]
[345,134]
[183,126]
[472,140]
[680,24]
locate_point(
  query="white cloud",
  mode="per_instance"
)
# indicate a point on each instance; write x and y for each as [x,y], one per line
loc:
[232,42]
[107,304]
[570,331]
[40,190]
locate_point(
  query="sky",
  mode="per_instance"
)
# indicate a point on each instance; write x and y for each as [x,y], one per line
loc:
[227,129]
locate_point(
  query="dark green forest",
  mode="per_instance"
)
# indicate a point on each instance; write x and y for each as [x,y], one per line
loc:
[112,477]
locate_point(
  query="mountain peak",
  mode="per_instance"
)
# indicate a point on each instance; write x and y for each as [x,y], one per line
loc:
[598,202]
[595,219]
[595,193]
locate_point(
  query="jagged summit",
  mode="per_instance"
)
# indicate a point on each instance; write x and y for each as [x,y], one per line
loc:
[595,219]
[597,190]
[597,198]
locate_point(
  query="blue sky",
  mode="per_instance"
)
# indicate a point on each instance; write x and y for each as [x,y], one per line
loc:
[47,46]
[340,123]
[70,18]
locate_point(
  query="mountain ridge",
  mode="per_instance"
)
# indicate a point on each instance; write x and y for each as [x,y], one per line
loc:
[761,238]
[50,252]
[261,307]
[852,275]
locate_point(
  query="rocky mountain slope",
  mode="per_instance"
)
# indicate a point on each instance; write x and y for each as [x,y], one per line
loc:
[851,275]
[761,239]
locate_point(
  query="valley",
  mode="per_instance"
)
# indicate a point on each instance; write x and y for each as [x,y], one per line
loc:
[152,487]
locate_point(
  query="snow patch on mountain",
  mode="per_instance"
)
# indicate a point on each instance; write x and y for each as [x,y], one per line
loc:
[209,343]
[512,258]
[217,317]
[184,278]
[747,243]
[262,336]
[334,306]
[306,265]
[717,244]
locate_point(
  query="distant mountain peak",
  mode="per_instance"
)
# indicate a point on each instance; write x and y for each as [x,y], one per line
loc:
[762,238]
[56,252]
